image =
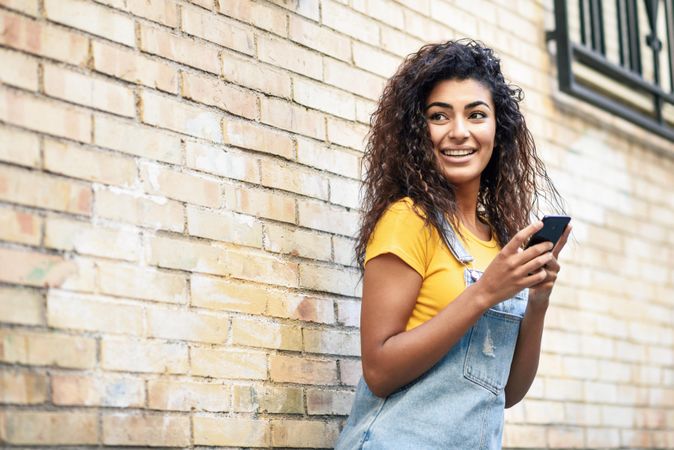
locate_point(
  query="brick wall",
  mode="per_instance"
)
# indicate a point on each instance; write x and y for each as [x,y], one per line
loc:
[178,188]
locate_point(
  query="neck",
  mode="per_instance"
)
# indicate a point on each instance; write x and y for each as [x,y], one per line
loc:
[466,202]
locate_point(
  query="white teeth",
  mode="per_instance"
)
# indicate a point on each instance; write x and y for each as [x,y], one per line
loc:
[457,152]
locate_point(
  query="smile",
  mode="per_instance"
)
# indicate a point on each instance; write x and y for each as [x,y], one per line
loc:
[458,152]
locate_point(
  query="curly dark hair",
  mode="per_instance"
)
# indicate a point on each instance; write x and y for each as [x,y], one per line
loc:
[399,160]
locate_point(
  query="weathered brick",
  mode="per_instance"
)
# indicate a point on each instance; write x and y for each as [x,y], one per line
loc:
[228,295]
[266,334]
[302,307]
[187,396]
[325,217]
[349,22]
[34,269]
[332,342]
[18,70]
[319,38]
[226,227]
[199,55]
[134,355]
[524,436]
[219,30]
[47,349]
[304,434]
[21,227]
[331,159]
[84,277]
[212,91]
[399,43]
[93,18]
[329,402]
[19,147]
[146,430]
[343,250]
[184,118]
[162,11]
[244,399]
[294,369]
[347,134]
[345,192]
[87,91]
[129,137]
[183,186]
[221,161]
[43,191]
[290,177]
[230,431]
[306,8]
[260,15]
[66,310]
[603,438]
[180,324]
[131,281]
[55,118]
[42,39]
[290,56]
[261,203]
[385,11]
[96,390]
[348,313]
[251,136]
[375,60]
[86,239]
[293,118]
[543,412]
[47,428]
[463,22]
[130,66]
[30,7]
[350,371]
[228,363]
[91,165]
[297,242]
[255,75]
[353,80]
[282,400]
[193,256]
[22,387]
[21,306]
[154,212]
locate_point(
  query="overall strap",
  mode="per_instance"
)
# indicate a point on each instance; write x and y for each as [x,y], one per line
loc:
[452,241]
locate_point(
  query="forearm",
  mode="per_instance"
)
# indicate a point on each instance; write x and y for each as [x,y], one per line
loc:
[527,354]
[407,355]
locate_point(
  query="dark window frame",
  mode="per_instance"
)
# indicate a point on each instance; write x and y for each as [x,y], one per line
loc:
[591,53]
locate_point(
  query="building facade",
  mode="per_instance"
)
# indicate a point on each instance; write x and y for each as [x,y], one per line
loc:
[179,191]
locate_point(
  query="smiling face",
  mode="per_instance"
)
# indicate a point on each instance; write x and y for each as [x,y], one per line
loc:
[461,119]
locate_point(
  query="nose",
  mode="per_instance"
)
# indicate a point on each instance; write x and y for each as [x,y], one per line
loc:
[458,130]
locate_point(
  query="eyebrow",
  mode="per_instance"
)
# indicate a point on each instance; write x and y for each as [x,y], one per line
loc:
[447,105]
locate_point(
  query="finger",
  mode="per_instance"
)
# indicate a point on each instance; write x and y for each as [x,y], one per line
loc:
[537,263]
[536,278]
[552,265]
[534,251]
[521,237]
[562,240]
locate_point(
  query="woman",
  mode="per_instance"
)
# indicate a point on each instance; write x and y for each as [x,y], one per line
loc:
[453,306]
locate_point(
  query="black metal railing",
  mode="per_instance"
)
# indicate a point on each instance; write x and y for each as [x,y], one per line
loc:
[638,48]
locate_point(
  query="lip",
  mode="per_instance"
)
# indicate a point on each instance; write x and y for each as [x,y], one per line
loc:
[469,150]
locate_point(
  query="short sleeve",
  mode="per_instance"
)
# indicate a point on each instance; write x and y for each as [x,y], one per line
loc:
[402,232]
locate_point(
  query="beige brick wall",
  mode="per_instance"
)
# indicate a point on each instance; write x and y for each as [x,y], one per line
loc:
[178,193]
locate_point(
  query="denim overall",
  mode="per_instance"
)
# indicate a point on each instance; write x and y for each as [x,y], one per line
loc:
[459,402]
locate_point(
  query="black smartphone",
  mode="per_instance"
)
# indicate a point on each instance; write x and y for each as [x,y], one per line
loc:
[553,228]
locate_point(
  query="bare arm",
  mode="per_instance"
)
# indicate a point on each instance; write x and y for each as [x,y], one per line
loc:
[393,357]
[528,350]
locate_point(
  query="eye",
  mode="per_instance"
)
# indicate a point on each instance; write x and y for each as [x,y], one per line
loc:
[437,117]
[478,115]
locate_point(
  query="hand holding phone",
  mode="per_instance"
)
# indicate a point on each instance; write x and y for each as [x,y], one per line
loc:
[553,228]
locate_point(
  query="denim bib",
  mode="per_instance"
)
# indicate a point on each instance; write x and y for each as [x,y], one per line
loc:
[459,402]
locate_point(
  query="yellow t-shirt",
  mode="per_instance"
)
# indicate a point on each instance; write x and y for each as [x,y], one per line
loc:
[402,232]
